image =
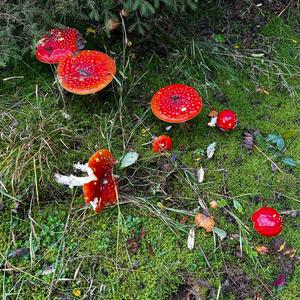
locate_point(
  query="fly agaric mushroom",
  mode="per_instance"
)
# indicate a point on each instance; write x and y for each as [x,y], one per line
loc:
[86,72]
[58,44]
[176,103]
[267,221]
[99,187]
[162,143]
[226,120]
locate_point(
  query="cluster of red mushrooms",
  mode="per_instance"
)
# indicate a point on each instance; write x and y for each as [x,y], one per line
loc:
[88,71]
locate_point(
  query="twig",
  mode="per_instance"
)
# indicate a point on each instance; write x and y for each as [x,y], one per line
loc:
[269,159]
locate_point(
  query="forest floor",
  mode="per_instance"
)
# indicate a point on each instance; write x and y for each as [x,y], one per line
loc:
[52,245]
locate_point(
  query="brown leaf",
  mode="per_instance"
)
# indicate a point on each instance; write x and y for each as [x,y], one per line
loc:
[19,252]
[150,249]
[183,219]
[205,222]
[262,249]
[213,113]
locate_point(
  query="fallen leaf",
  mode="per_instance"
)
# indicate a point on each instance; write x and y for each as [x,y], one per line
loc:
[150,249]
[134,242]
[277,140]
[168,128]
[211,150]
[200,175]
[19,252]
[257,55]
[262,249]
[213,113]
[191,239]
[262,90]
[279,283]
[183,219]
[205,222]
[290,133]
[220,233]
[289,162]
[129,159]
[76,292]
[48,270]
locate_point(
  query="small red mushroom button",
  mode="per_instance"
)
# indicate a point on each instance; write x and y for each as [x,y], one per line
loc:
[226,120]
[58,43]
[267,221]
[162,143]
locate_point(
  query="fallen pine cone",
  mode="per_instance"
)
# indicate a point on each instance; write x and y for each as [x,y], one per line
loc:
[249,139]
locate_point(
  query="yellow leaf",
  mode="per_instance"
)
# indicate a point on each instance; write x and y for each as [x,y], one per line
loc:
[77,292]
[91,30]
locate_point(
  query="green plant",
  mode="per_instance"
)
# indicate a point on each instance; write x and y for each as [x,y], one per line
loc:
[23,22]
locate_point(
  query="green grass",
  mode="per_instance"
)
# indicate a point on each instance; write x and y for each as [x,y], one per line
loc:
[43,131]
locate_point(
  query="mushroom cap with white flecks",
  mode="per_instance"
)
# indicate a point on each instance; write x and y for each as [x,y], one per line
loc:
[59,43]
[103,190]
[86,72]
[176,103]
[162,143]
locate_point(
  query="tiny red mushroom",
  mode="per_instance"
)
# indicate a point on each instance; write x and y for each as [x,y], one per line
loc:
[267,221]
[176,103]
[58,44]
[100,186]
[226,120]
[86,72]
[162,143]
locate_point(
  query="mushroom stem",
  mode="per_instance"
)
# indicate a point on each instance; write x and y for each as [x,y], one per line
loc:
[72,180]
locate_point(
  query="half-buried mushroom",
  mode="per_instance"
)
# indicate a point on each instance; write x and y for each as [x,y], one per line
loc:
[58,44]
[176,103]
[99,187]
[86,72]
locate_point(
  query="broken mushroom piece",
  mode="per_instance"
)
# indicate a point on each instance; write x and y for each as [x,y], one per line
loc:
[208,223]
[226,120]
[86,72]
[99,187]
[267,221]
[176,103]
[58,44]
[162,143]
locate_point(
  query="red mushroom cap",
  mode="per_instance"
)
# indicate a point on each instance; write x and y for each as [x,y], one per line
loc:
[176,103]
[87,72]
[103,190]
[162,143]
[226,120]
[267,221]
[58,44]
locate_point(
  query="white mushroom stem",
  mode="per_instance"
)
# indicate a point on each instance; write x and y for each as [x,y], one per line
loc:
[72,180]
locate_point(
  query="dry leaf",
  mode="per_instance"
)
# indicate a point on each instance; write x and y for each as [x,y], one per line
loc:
[213,204]
[205,222]
[183,219]
[213,113]
[262,90]
[191,239]
[200,175]
[211,149]
[262,249]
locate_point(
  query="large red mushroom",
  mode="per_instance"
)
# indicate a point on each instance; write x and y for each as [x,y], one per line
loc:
[58,44]
[86,72]
[100,186]
[176,103]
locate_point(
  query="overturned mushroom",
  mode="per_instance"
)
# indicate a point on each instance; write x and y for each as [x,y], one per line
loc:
[99,186]
[60,42]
